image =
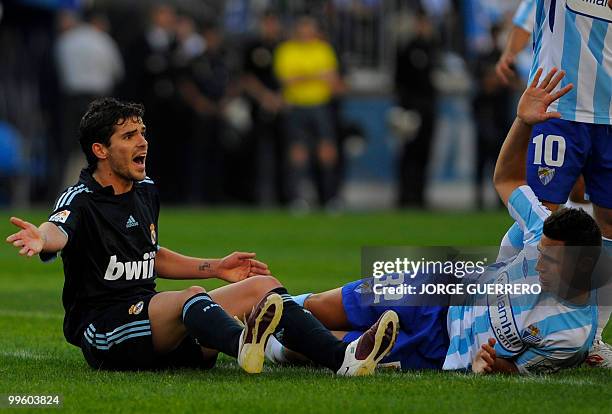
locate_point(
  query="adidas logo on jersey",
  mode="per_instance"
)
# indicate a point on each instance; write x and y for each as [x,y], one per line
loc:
[142,269]
[131,222]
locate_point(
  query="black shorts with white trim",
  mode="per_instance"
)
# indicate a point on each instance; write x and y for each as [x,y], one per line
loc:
[120,339]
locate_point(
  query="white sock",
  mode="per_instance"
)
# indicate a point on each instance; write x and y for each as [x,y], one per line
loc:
[300,299]
[603,294]
[275,351]
[588,207]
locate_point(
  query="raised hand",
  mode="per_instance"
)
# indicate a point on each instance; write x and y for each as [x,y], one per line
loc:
[537,98]
[30,239]
[239,265]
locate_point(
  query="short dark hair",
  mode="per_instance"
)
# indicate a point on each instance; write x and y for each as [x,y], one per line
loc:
[574,227]
[98,123]
[578,230]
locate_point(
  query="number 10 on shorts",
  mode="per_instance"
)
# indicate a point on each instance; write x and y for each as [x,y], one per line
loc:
[552,148]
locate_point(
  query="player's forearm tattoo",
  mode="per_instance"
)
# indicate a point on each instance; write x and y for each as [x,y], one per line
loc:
[204,267]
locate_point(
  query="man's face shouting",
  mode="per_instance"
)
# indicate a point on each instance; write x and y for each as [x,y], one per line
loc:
[127,152]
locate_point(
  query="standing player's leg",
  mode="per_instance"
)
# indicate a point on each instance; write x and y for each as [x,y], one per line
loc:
[598,176]
[557,153]
[578,197]
[603,216]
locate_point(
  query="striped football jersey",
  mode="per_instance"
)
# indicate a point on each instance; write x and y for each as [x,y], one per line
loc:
[536,331]
[575,35]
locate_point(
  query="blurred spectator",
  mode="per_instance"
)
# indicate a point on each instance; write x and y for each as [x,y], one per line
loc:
[357,30]
[12,164]
[191,44]
[491,108]
[346,133]
[307,67]
[149,59]
[263,88]
[89,66]
[151,67]
[206,89]
[416,92]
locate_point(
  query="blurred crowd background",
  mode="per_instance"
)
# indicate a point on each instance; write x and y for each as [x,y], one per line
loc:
[298,104]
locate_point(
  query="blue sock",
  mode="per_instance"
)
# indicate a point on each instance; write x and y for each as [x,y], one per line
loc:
[300,299]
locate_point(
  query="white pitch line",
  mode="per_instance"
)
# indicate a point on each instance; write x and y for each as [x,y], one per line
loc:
[30,314]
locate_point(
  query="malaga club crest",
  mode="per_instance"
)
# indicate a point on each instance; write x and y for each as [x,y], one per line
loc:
[546,174]
[531,335]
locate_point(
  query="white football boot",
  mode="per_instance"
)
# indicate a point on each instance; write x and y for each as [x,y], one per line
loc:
[600,355]
[364,353]
[258,327]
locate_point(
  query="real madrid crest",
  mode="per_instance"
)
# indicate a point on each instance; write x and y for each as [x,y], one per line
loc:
[153,234]
[136,309]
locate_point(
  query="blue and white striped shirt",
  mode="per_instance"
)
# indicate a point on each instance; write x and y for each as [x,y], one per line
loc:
[538,332]
[524,17]
[575,35]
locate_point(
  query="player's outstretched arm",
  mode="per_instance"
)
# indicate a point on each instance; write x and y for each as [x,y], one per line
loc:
[487,362]
[32,240]
[232,268]
[517,41]
[531,110]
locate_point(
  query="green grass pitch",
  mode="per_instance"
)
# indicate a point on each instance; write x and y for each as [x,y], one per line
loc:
[310,253]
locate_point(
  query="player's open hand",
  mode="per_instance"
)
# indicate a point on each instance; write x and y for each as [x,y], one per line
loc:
[239,265]
[537,97]
[29,239]
[504,68]
[485,358]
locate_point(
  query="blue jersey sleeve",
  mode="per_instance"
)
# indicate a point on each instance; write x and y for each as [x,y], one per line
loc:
[511,244]
[529,214]
[525,15]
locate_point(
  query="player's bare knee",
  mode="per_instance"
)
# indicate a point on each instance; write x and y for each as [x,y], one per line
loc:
[193,290]
[260,285]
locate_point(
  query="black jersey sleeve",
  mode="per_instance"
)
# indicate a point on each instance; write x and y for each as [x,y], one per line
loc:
[66,214]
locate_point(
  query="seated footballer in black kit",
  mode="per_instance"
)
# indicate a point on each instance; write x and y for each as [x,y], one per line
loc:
[106,227]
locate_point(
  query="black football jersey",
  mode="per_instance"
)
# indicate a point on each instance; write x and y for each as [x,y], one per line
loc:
[112,243]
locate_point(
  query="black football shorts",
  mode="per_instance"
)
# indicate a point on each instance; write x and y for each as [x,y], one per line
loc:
[120,339]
